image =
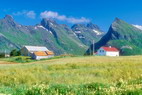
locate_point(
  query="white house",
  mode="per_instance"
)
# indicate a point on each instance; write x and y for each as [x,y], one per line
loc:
[36,52]
[108,51]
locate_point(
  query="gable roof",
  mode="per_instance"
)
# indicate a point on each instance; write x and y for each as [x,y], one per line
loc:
[43,53]
[110,49]
[40,53]
[49,52]
[36,48]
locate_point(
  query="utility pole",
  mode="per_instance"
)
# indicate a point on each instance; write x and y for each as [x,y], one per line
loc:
[5,53]
[90,51]
[93,47]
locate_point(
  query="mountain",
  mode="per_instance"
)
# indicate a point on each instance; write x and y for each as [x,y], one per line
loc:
[126,37]
[87,33]
[56,37]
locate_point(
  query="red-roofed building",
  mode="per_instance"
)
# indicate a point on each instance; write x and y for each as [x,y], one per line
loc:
[108,51]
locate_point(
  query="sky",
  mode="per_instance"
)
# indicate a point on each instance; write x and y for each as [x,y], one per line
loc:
[100,12]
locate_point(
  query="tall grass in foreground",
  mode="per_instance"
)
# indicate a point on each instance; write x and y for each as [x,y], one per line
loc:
[74,76]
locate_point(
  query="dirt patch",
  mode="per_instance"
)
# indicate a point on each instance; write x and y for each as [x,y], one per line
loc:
[4,62]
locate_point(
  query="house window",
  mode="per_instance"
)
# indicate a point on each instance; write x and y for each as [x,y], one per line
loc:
[102,51]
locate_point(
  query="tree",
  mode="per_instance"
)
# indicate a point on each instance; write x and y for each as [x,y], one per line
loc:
[15,52]
[2,55]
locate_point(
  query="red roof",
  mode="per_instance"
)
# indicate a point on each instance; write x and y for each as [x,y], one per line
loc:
[110,49]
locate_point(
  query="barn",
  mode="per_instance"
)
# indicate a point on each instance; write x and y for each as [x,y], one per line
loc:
[36,52]
[42,55]
[29,50]
[108,51]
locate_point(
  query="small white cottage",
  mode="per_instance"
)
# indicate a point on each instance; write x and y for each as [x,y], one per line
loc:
[108,51]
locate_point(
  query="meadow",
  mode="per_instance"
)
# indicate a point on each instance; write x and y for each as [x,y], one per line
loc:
[92,75]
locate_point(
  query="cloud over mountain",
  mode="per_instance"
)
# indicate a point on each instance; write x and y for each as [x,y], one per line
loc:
[56,15]
[29,14]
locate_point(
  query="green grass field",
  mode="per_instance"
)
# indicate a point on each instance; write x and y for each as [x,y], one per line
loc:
[72,76]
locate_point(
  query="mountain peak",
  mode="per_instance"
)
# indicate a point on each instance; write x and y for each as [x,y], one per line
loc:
[78,26]
[48,22]
[117,19]
[8,17]
[92,26]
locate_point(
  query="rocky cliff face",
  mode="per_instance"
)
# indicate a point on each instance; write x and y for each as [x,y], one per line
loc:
[87,33]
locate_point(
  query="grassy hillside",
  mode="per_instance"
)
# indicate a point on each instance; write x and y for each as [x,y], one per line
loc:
[74,76]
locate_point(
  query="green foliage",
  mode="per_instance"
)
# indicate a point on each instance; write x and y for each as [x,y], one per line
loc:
[126,48]
[21,59]
[15,52]
[2,55]
[86,89]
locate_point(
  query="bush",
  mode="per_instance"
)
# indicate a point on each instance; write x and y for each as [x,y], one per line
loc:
[21,59]
[2,55]
[15,52]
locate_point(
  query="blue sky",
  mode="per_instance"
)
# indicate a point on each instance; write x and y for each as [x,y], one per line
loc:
[100,12]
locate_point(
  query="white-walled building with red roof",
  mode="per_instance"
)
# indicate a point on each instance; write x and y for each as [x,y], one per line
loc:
[108,51]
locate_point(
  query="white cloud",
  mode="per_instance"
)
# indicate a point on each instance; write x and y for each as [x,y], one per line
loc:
[55,15]
[29,14]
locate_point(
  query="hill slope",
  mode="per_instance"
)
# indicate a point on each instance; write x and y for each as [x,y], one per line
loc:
[124,36]
[56,37]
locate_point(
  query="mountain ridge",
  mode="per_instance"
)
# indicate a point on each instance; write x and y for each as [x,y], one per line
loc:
[57,37]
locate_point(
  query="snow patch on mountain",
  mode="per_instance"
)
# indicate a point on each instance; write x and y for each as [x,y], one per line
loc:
[19,25]
[1,34]
[75,35]
[51,23]
[138,26]
[77,32]
[40,26]
[97,32]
